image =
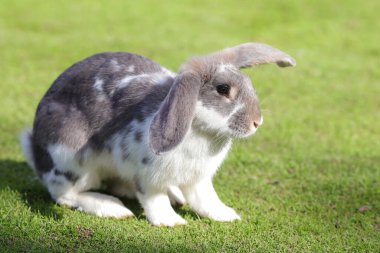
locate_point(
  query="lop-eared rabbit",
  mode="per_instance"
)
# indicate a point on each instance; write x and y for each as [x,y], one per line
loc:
[122,121]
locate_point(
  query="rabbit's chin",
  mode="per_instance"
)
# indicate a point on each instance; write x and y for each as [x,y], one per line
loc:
[241,135]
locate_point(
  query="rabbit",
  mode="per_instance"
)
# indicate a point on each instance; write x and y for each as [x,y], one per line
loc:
[121,122]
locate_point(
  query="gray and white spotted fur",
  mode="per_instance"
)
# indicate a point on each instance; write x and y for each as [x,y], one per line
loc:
[124,121]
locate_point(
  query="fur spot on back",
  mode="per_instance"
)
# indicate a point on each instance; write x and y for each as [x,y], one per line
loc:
[168,72]
[128,79]
[131,68]
[98,85]
[115,65]
[153,78]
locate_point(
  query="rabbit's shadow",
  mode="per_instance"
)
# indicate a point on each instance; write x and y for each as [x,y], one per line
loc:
[18,177]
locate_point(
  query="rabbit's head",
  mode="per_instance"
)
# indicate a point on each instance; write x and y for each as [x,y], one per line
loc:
[212,94]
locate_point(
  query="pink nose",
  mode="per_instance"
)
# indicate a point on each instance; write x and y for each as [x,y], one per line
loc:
[257,123]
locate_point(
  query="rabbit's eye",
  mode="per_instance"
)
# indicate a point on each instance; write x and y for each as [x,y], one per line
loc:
[223,89]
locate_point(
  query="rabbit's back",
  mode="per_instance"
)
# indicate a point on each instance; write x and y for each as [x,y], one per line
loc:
[87,100]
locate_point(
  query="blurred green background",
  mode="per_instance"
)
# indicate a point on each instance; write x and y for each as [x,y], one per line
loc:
[308,181]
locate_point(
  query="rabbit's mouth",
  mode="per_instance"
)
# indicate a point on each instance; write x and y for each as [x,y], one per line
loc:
[241,131]
[242,134]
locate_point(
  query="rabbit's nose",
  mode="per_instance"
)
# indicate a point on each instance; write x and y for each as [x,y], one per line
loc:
[258,123]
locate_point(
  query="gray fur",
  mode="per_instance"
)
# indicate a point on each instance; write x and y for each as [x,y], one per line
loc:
[146,160]
[124,150]
[125,155]
[57,182]
[69,175]
[137,183]
[138,136]
[134,102]
[211,99]
[72,113]
[252,54]
[42,159]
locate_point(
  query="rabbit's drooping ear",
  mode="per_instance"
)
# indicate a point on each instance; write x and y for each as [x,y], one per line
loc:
[251,54]
[176,113]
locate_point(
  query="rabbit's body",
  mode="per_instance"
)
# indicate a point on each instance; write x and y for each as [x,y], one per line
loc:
[124,122]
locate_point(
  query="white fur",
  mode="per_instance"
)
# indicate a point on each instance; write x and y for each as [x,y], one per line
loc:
[154,78]
[176,196]
[126,80]
[95,203]
[115,65]
[226,67]
[203,199]
[168,72]
[212,119]
[161,79]
[98,85]
[196,158]
[57,185]
[96,168]
[26,145]
[184,166]
[237,108]
[158,209]
[131,68]
[62,156]
[223,67]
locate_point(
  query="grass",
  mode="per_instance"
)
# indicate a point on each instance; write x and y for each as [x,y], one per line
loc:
[309,181]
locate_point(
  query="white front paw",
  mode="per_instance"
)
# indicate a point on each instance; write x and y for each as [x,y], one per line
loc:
[168,220]
[158,210]
[223,213]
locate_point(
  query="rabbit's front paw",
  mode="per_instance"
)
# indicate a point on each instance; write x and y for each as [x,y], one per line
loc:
[158,210]
[115,211]
[167,220]
[223,213]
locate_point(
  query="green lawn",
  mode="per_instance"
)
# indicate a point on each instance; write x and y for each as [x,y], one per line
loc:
[309,181]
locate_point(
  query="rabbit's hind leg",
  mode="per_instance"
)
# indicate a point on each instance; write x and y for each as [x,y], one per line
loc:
[67,189]
[69,184]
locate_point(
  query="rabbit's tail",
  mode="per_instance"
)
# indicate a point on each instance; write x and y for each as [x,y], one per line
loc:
[27,147]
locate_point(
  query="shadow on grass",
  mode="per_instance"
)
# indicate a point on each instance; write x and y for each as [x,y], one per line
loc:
[18,176]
